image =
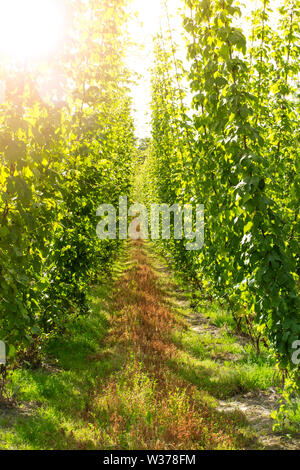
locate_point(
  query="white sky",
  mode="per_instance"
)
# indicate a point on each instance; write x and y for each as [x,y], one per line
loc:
[151,17]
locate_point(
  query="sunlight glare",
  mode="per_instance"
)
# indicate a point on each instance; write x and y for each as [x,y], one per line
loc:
[30,29]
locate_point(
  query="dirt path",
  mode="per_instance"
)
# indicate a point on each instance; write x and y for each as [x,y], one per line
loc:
[142,371]
[148,405]
[256,405]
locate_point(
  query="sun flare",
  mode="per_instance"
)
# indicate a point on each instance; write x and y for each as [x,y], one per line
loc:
[30,29]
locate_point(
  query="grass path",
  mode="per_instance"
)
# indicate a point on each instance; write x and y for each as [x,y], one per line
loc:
[135,373]
[149,405]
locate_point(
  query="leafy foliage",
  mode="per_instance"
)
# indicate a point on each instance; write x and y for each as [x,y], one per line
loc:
[60,158]
[239,155]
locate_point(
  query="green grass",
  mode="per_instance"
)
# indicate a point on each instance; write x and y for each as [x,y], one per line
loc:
[52,399]
[292,424]
[225,364]
[221,378]
[60,406]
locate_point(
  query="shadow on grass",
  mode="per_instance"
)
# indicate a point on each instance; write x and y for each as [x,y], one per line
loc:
[52,401]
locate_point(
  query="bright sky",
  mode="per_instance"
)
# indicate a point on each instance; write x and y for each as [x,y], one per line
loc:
[33,29]
[26,28]
[151,17]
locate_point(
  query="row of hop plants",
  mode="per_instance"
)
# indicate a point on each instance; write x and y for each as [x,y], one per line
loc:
[62,154]
[235,150]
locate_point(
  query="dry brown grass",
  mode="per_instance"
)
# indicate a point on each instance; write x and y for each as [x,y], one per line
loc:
[146,406]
